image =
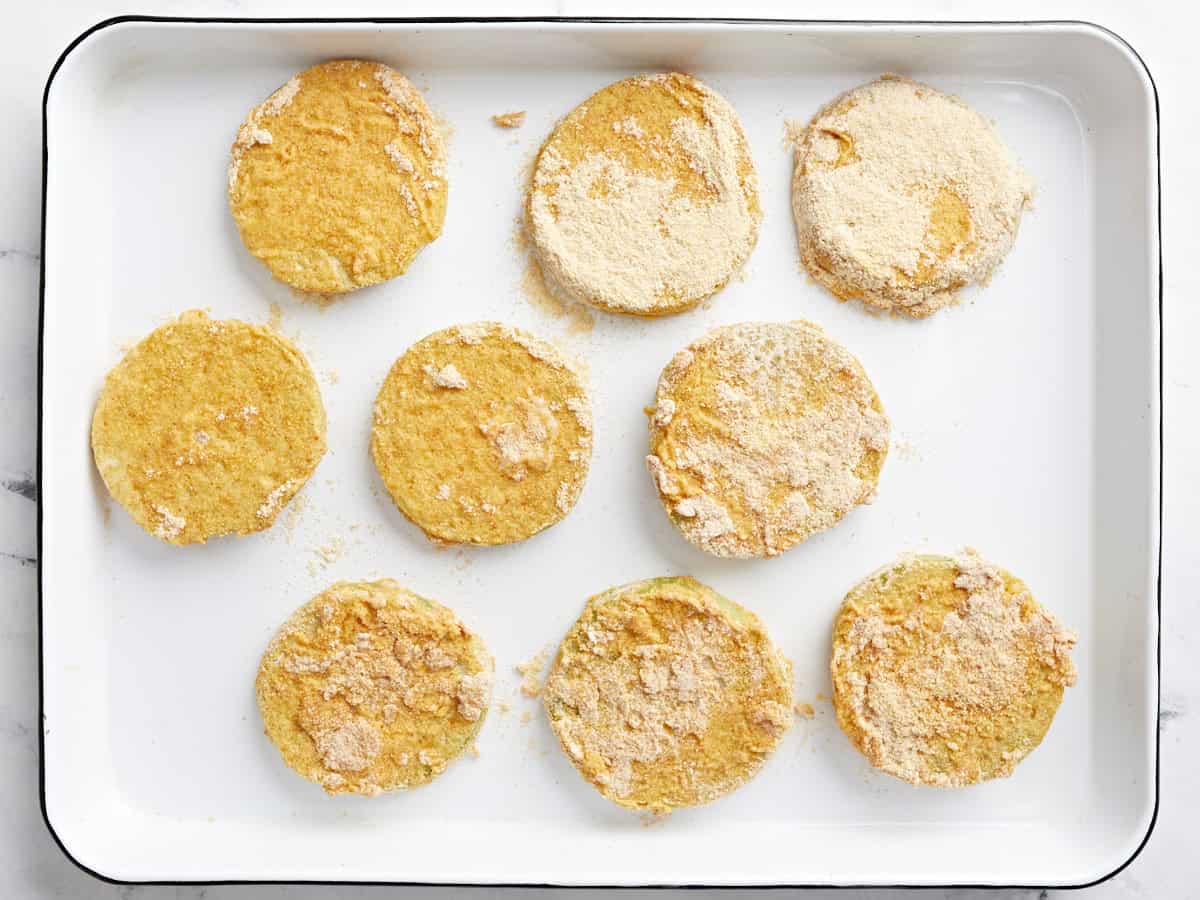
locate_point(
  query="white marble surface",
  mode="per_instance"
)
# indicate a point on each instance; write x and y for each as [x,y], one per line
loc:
[31,39]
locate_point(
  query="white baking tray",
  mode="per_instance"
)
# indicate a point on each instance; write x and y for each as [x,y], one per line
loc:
[1026,423]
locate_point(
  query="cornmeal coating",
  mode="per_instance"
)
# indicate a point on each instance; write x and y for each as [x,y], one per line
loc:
[665,694]
[945,669]
[338,179]
[762,434]
[644,198]
[902,195]
[483,434]
[208,427]
[369,688]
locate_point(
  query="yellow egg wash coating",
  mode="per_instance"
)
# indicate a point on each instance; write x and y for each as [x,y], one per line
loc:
[664,694]
[946,671]
[644,198]
[483,434]
[208,427]
[338,179]
[763,434]
[369,687]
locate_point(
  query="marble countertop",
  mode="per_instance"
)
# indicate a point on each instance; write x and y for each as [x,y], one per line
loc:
[35,34]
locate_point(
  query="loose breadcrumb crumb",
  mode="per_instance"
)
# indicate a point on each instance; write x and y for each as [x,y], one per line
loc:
[793,133]
[513,119]
[650,818]
[329,553]
[531,672]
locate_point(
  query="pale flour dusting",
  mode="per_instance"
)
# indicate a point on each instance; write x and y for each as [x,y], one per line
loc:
[524,442]
[564,496]
[778,466]
[403,164]
[629,126]
[976,662]
[473,333]
[410,202]
[632,698]
[663,413]
[638,244]
[253,132]
[473,694]
[351,747]
[447,377]
[274,500]
[871,171]
[412,116]
[583,412]
[282,98]
[169,524]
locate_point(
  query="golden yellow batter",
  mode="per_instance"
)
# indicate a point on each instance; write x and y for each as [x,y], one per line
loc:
[902,195]
[208,427]
[946,671]
[370,688]
[483,434]
[762,434]
[665,694]
[338,179]
[644,198]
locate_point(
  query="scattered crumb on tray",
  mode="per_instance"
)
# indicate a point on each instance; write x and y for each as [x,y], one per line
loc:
[513,119]
[332,551]
[805,710]
[321,301]
[793,133]
[446,127]
[525,171]
[326,555]
[295,510]
[533,287]
[538,294]
[531,673]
